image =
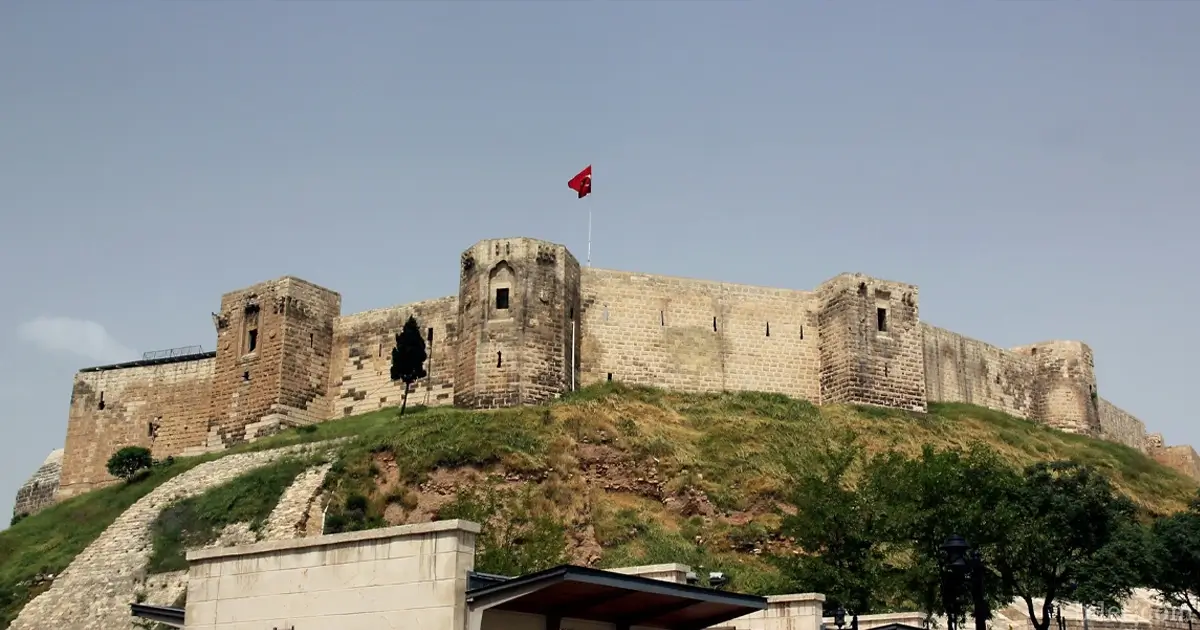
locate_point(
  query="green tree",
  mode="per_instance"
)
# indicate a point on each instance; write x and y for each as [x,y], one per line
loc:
[408,357]
[924,500]
[129,461]
[1173,558]
[1071,538]
[836,525]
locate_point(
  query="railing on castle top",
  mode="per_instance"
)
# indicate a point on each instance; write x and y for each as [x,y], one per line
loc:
[172,353]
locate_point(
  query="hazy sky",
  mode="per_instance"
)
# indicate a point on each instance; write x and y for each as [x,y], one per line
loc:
[1032,166]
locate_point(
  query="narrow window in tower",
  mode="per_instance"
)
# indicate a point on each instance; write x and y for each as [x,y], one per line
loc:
[429,335]
[885,369]
[311,340]
[802,331]
[610,377]
[101,405]
[662,318]
[714,324]
[499,359]
[571,313]
[501,299]
[245,376]
[606,313]
[881,319]
[252,340]
[768,329]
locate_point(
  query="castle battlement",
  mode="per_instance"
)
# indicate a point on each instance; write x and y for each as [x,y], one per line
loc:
[528,323]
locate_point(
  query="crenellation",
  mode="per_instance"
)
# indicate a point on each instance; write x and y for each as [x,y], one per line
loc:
[528,324]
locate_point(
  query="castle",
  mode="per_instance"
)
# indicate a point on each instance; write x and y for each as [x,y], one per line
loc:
[528,323]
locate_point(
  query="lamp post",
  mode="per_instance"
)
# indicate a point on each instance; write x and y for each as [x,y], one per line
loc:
[962,566]
[839,619]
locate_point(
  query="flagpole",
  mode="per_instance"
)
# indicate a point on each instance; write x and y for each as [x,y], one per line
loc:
[589,255]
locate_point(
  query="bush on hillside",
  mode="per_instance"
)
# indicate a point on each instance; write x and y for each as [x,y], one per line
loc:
[129,461]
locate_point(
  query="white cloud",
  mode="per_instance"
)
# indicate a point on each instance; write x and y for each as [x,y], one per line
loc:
[76,336]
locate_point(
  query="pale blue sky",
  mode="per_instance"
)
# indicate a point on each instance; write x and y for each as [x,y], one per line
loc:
[1032,166]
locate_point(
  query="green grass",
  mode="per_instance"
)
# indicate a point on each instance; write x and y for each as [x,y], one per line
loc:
[742,449]
[46,542]
[196,521]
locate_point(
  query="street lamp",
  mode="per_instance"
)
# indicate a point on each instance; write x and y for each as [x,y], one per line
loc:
[839,619]
[962,566]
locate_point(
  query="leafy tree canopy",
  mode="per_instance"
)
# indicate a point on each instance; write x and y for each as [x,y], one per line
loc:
[1054,532]
[129,461]
[1070,537]
[1173,557]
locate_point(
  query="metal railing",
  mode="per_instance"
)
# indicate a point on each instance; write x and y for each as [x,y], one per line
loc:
[184,351]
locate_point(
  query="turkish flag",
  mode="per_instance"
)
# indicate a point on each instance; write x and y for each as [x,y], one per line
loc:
[582,183]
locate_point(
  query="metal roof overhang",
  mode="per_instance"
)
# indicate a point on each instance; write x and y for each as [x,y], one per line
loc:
[623,600]
[162,614]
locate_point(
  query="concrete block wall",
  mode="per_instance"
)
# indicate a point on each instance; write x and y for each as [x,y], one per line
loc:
[799,611]
[411,576]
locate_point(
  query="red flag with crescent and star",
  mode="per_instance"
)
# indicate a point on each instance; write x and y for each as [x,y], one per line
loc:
[582,183]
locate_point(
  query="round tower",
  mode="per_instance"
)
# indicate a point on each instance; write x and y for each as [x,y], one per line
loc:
[1064,390]
[518,330]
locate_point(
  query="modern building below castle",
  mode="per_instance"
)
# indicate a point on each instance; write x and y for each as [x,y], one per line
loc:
[528,323]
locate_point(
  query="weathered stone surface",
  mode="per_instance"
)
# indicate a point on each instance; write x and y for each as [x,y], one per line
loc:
[290,517]
[528,324]
[163,406]
[95,590]
[38,492]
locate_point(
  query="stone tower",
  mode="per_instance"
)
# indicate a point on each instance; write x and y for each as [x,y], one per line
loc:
[1064,386]
[518,318]
[871,347]
[274,342]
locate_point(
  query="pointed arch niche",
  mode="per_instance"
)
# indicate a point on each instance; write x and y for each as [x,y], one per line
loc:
[502,289]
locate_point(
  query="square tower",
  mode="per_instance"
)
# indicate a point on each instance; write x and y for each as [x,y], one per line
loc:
[871,347]
[518,318]
[274,343]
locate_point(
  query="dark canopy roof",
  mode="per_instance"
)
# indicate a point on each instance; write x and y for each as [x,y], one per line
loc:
[163,614]
[897,626]
[623,600]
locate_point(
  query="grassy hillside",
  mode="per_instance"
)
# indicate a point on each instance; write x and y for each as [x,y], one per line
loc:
[609,476]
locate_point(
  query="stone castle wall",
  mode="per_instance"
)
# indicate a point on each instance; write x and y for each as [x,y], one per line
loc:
[39,491]
[528,323]
[162,405]
[362,357]
[961,369]
[694,335]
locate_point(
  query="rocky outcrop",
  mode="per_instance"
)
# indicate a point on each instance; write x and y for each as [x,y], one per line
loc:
[96,589]
[38,492]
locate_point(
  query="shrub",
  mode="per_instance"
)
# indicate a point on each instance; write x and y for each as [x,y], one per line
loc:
[127,462]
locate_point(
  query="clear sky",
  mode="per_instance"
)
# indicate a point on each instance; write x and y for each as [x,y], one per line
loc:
[1032,166]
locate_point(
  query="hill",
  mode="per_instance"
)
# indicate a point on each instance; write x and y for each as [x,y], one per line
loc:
[610,475]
